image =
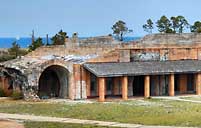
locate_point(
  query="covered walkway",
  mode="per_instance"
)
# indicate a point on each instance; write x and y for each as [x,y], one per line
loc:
[154,78]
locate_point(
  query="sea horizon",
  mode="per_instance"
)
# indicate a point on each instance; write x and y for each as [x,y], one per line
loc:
[24,42]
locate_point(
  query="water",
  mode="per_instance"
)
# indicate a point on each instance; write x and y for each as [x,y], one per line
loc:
[24,42]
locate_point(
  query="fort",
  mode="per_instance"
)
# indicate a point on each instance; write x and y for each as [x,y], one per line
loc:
[101,67]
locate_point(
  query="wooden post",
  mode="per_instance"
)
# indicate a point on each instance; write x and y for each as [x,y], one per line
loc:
[171,85]
[147,86]
[198,84]
[124,84]
[101,84]
[88,83]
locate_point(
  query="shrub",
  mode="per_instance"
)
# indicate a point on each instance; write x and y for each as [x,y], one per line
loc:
[6,57]
[2,93]
[17,95]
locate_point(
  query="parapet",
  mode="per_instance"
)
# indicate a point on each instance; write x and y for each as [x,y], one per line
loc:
[171,40]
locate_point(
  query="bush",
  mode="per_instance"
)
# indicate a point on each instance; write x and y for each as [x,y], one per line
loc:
[2,93]
[6,57]
[17,95]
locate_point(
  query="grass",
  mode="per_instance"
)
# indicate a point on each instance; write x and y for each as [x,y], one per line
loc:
[147,112]
[195,98]
[29,124]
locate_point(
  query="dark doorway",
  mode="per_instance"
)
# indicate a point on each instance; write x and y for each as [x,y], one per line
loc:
[138,86]
[190,83]
[53,82]
[176,83]
[50,85]
[94,86]
[109,86]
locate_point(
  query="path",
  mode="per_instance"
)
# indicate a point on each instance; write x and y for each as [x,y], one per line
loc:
[10,124]
[177,98]
[76,121]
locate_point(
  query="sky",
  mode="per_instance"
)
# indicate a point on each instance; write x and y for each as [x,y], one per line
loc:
[87,17]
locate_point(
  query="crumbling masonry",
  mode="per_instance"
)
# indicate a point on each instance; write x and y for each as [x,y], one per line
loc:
[101,67]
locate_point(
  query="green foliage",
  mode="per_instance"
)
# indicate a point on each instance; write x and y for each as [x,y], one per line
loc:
[196,27]
[17,95]
[59,38]
[14,50]
[148,26]
[147,112]
[29,124]
[179,23]
[120,29]
[174,23]
[164,25]
[36,44]
[6,57]
[2,93]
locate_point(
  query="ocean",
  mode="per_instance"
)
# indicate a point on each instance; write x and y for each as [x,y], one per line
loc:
[24,42]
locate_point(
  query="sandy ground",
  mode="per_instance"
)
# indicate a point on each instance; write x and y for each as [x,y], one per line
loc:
[10,124]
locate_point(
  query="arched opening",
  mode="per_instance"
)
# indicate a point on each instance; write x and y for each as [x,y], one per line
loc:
[53,82]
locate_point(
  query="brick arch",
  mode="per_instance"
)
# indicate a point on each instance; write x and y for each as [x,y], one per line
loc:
[48,63]
[61,69]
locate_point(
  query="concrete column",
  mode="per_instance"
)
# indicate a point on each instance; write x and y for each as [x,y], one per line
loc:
[83,83]
[124,81]
[77,81]
[101,85]
[147,86]
[88,83]
[198,84]
[171,85]
[97,86]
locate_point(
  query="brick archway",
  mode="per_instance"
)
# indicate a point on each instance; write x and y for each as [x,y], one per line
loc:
[53,79]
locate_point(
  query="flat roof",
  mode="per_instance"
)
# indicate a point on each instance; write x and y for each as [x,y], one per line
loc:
[143,68]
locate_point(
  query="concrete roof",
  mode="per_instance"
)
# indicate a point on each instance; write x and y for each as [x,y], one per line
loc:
[143,68]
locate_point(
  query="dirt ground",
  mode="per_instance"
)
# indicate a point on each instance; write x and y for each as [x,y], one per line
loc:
[10,124]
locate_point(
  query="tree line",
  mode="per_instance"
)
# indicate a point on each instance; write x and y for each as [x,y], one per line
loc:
[174,24]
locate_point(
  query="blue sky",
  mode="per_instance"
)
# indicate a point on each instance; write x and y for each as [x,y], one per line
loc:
[87,17]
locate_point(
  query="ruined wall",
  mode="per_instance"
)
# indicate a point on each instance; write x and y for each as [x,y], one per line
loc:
[111,56]
[94,45]
[4,85]
[80,87]
[163,54]
[171,40]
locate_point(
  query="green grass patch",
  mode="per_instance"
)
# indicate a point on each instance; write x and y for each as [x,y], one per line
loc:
[194,98]
[29,124]
[147,112]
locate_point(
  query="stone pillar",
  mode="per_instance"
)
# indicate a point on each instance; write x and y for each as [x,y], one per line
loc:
[77,81]
[83,83]
[147,86]
[171,85]
[124,81]
[101,85]
[97,86]
[198,84]
[88,83]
